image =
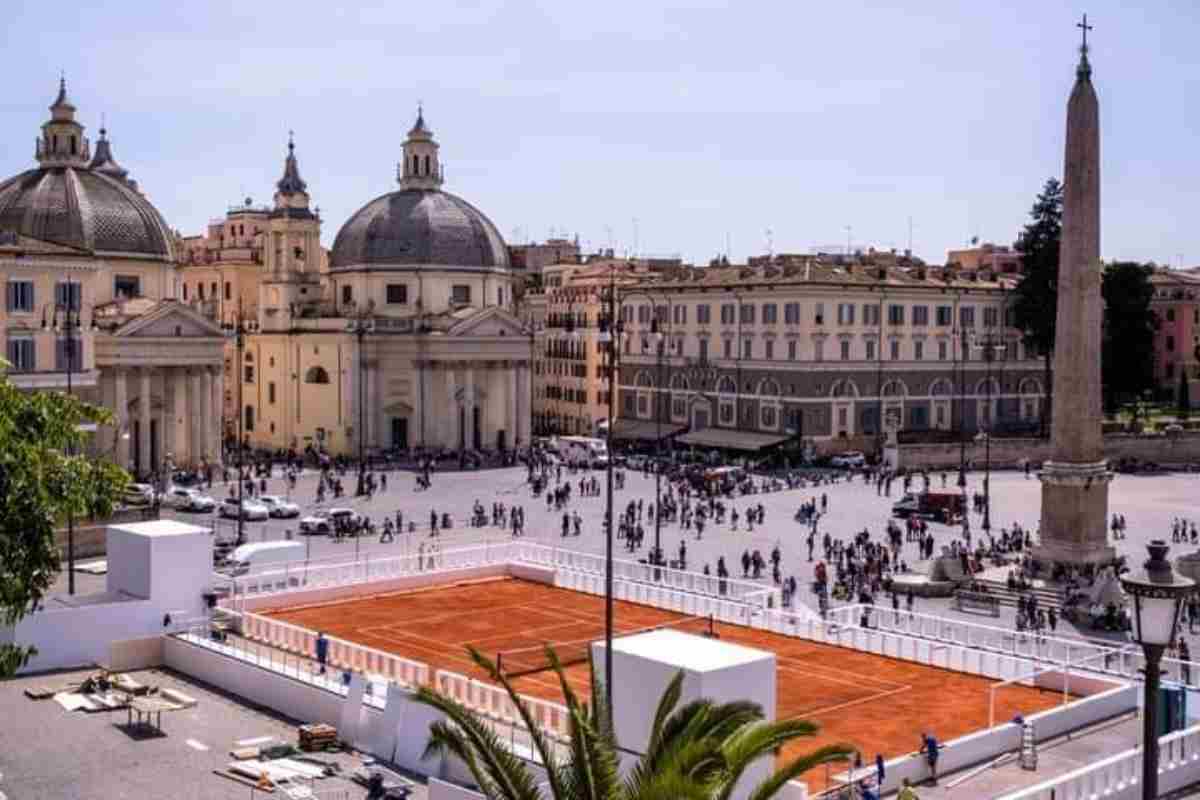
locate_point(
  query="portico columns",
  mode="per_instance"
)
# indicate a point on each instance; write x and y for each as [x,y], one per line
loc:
[510,390]
[195,410]
[144,464]
[178,427]
[416,436]
[121,412]
[469,406]
[205,414]
[523,392]
[450,429]
[166,426]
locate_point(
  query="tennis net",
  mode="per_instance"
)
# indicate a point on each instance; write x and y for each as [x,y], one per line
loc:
[526,660]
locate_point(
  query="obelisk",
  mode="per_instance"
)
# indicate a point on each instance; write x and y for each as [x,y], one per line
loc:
[1074,528]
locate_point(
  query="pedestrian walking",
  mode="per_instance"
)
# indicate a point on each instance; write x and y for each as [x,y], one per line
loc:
[322,651]
[929,746]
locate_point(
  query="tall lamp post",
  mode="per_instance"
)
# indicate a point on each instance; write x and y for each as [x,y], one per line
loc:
[1156,595]
[239,330]
[989,344]
[65,319]
[360,325]
[655,340]
[610,331]
[962,432]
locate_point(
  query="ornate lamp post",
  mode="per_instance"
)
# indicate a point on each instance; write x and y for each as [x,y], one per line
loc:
[360,325]
[238,330]
[1156,595]
[65,318]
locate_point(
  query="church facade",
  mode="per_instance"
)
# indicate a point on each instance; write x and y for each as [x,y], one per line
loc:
[405,340]
[89,271]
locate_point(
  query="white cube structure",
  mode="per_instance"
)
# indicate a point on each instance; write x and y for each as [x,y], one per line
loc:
[643,665]
[165,561]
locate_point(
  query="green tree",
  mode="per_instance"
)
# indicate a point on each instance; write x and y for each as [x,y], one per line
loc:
[1185,401]
[1129,326]
[39,485]
[697,752]
[1035,304]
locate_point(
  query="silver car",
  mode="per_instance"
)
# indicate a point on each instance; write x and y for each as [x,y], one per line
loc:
[183,499]
[279,507]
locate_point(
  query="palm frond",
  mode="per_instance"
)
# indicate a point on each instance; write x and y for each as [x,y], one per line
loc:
[797,767]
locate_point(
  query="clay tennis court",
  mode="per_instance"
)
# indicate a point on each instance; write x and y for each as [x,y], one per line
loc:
[874,703]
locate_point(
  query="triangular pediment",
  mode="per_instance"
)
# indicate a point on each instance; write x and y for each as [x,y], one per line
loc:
[493,321]
[169,318]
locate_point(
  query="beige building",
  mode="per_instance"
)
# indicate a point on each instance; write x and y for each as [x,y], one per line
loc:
[998,258]
[83,251]
[410,343]
[823,352]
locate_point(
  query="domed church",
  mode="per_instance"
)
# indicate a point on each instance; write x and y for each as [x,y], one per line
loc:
[411,344]
[89,272]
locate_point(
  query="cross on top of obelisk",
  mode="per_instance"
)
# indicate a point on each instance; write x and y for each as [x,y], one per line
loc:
[1085,28]
[1085,69]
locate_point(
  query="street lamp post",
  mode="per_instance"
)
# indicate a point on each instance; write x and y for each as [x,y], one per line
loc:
[360,325]
[989,345]
[610,330]
[1157,595]
[962,433]
[656,340]
[238,330]
[65,317]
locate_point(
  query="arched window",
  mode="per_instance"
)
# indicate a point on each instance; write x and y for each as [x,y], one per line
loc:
[768,387]
[679,383]
[644,380]
[981,388]
[726,386]
[844,388]
[941,388]
[894,388]
[249,355]
[316,375]
[1031,386]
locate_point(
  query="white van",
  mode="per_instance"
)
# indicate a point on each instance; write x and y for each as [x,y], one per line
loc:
[581,450]
[255,557]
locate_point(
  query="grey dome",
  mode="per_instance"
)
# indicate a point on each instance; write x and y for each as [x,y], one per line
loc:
[91,211]
[419,226]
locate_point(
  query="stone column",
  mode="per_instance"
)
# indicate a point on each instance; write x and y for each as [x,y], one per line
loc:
[206,414]
[419,374]
[216,410]
[514,404]
[195,410]
[450,428]
[525,418]
[144,421]
[469,403]
[121,413]
[166,427]
[178,380]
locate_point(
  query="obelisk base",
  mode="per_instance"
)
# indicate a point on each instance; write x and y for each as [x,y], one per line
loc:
[1074,529]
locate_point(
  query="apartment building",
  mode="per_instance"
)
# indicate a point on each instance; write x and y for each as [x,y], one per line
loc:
[821,351]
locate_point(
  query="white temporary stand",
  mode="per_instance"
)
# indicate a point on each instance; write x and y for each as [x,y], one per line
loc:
[643,665]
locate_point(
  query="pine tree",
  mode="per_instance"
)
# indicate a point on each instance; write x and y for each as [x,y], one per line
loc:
[1036,303]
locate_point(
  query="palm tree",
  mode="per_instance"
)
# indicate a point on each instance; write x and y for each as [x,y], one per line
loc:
[697,752]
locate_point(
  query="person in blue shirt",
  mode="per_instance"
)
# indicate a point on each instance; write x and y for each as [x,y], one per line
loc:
[322,651]
[929,746]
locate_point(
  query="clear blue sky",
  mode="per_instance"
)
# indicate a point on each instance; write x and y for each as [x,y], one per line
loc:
[701,120]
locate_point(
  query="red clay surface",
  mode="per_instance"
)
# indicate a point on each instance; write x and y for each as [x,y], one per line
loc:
[873,703]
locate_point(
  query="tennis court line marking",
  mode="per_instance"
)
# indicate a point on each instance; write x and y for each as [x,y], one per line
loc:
[849,703]
[441,616]
[806,668]
[845,682]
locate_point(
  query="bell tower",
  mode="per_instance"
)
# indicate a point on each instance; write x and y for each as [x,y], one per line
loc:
[62,143]
[291,250]
[420,168]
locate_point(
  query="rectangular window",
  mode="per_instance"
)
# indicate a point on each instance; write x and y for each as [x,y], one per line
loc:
[871,314]
[845,313]
[770,314]
[792,350]
[747,348]
[20,352]
[729,348]
[1170,344]
[870,349]
[249,419]
[728,314]
[748,314]
[20,296]
[703,314]
[920,315]
[991,316]
[918,350]
[185,292]
[791,313]
[660,314]
[770,349]
[397,294]
[680,315]
[942,351]
[460,295]
[895,315]
[200,290]
[347,295]
[271,392]
[68,294]
[895,349]
[228,290]
[68,350]
[703,349]
[127,286]
[966,317]
[819,315]
[945,316]
[248,376]
[1170,315]
[819,348]
[845,344]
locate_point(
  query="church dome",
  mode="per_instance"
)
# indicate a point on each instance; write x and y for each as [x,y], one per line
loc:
[83,209]
[420,224]
[78,201]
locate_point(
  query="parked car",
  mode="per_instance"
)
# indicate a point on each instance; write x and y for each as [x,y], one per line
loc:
[279,507]
[139,494]
[851,459]
[250,509]
[184,499]
[326,521]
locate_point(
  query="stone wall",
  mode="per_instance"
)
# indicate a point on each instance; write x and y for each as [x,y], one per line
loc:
[1178,449]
